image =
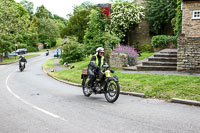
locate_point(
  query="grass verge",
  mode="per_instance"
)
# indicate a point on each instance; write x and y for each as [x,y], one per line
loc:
[12,59]
[49,64]
[152,85]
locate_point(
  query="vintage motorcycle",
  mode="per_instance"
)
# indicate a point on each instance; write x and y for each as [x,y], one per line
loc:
[104,84]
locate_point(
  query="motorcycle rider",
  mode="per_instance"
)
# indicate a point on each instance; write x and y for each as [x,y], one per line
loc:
[22,59]
[94,67]
[47,52]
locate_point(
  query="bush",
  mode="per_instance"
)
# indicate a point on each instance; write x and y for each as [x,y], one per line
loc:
[72,51]
[130,51]
[32,49]
[147,48]
[163,41]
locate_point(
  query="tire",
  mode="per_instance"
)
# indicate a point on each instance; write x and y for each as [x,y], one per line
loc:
[112,92]
[85,86]
[21,69]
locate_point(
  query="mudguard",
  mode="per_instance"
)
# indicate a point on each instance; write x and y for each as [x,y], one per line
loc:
[115,78]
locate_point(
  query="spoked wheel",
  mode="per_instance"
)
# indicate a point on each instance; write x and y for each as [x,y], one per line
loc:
[112,92]
[86,90]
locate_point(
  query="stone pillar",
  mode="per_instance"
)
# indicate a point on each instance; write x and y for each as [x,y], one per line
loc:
[188,54]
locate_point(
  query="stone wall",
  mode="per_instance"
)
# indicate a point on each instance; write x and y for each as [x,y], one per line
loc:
[188,54]
[190,27]
[140,35]
[118,60]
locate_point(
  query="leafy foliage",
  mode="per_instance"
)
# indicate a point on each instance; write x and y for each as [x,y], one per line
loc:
[125,15]
[77,25]
[162,41]
[159,13]
[14,21]
[96,36]
[177,21]
[42,12]
[48,30]
[28,6]
[72,51]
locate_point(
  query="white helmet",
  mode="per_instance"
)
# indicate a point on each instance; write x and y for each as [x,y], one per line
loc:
[99,49]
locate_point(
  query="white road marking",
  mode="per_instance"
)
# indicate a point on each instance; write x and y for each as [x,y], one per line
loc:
[33,106]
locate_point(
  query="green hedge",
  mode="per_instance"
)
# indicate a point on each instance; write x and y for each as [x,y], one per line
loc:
[162,41]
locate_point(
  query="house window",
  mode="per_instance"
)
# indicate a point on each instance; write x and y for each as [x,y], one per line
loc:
[196,14]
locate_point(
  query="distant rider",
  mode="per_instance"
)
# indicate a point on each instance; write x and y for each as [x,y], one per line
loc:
[22,59]
[47,52]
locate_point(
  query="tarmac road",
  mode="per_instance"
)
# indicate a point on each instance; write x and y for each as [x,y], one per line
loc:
[31,101]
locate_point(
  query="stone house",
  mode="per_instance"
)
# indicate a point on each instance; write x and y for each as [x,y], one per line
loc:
[188,52]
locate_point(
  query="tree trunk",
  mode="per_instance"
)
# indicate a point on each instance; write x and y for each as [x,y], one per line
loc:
[6,55]
[1,58]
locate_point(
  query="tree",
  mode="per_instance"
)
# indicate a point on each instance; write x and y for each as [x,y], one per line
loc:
[77,25]
[42,12]
[29,7]
[14,20]
[125,15]
[78,21]
[96,35]
[160,13]
[48,30]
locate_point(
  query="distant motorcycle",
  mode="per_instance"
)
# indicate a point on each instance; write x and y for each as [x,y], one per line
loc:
[22,66]
[104,84]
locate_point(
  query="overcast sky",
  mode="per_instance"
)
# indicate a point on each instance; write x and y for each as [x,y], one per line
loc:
[61,7]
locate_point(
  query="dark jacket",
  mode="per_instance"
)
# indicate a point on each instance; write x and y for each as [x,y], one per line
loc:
[23,60]
[93,66]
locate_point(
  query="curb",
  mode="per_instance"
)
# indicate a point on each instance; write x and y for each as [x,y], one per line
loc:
[79,85]
[70,83]
[133,94]
[142,95]
[183,101]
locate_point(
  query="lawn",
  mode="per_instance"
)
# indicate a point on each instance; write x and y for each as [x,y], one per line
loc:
[145,55]
[152,85]
[49,64]
[12,59]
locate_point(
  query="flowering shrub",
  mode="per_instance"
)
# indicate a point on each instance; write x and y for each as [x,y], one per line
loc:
[125,15]
[130,51]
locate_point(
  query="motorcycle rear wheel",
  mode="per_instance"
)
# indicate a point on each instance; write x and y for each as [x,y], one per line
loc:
[112,92]
[86,90]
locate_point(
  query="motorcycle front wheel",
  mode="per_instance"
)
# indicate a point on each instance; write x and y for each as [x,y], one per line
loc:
[112,92]
[86,90]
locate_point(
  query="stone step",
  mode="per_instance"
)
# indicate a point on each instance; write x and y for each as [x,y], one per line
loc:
[168,52]
[152,63]
[162,59]
[165,55]
[156,68]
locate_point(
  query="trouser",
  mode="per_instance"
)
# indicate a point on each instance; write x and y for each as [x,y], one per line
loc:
[92,77]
